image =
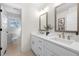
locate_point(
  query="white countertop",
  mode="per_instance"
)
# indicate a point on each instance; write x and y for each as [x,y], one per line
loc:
[73,46]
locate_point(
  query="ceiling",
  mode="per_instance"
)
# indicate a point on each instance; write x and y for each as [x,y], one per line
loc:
[40,6]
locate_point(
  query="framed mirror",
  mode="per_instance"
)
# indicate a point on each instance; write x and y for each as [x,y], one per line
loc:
[66,17]
[43,21]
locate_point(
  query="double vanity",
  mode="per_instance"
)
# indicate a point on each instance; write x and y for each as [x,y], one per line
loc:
[43,45]
[66,21]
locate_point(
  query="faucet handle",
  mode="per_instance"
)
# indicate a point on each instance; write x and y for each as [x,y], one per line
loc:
[59,35]
[68,37]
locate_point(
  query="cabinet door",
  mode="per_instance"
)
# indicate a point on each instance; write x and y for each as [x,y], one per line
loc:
[4,30]
[37,45]
[44,48]
[40,46]
[46,51]
[34,44]
[60,51]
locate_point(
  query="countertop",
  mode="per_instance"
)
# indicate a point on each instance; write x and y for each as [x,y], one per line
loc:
[73,46]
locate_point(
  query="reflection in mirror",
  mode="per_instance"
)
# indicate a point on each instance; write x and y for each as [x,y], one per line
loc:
[43,24]
[66,19]
[43,21]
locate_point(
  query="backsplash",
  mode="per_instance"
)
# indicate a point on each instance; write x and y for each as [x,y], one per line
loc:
[73,36]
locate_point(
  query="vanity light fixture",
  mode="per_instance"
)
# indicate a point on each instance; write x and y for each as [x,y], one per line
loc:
[56,4]
[43,11]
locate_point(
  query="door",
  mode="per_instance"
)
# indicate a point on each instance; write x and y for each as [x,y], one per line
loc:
[4,30]
[0,31]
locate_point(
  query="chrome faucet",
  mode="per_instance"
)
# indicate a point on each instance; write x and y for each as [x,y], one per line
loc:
[63,36]
[68,37]
[59,35]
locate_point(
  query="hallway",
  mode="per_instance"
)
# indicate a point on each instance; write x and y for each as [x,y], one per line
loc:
[12,51]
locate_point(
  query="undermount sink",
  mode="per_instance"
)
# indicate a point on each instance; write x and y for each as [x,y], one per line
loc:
[65,41]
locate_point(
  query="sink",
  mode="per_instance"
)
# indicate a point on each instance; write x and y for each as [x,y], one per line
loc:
[65,41]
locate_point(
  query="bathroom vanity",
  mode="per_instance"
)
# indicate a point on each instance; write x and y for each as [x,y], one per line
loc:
[66,20]
[43,45]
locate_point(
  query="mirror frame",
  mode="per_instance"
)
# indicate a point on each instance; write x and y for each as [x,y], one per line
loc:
[56,20]
[40,21]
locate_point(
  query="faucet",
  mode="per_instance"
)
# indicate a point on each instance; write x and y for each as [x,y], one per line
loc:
[59,35]
[63,36]
[68,37]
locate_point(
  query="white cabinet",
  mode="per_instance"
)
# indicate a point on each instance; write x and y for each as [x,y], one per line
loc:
[58,50]
[43,47]
[37,45]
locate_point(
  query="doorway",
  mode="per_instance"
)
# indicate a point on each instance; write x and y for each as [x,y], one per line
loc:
[13,30]
[13,35]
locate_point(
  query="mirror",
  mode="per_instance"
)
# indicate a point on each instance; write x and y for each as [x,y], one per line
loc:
[43,21]
[66,17]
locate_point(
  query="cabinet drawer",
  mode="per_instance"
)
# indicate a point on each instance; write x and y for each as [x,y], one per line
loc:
[37,39]
[58,50]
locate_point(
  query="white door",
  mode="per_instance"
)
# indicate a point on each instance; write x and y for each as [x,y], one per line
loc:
[4,30]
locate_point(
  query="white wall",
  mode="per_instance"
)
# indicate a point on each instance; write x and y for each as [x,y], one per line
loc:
[51,12]
[29,23]
[30,20]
